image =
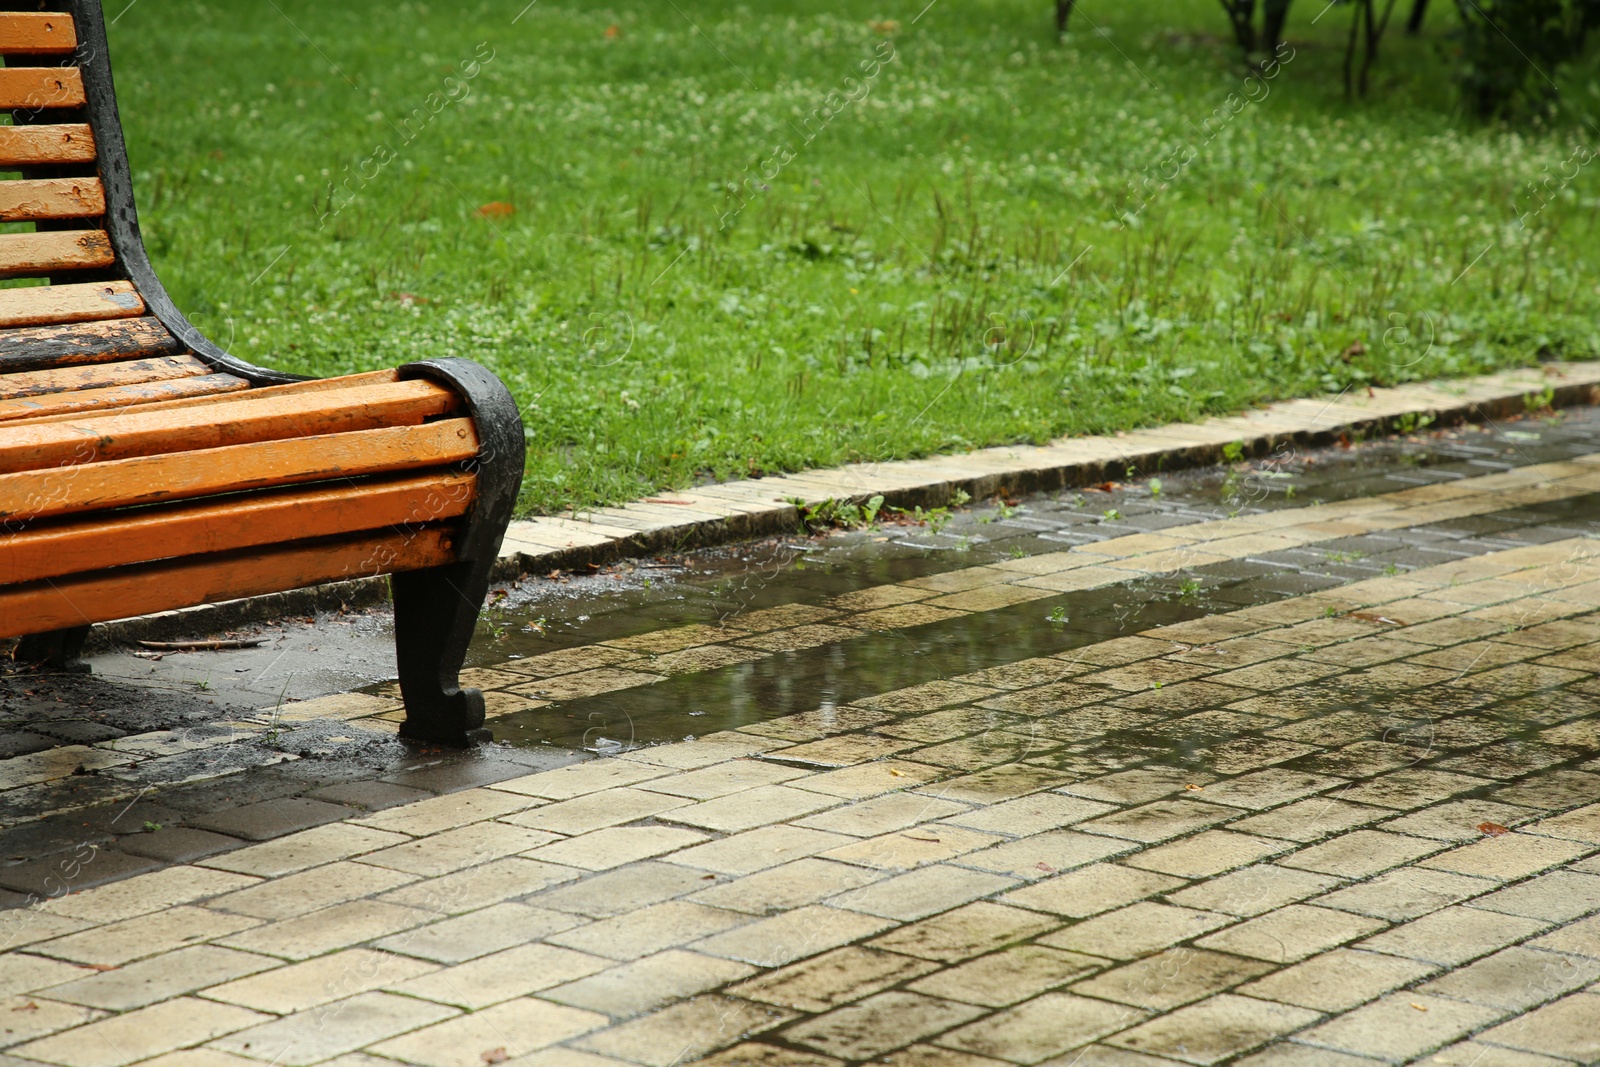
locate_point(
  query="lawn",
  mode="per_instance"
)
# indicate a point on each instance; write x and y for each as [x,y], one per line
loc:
[955,231]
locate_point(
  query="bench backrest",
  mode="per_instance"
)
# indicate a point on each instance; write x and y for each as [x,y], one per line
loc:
[103,301]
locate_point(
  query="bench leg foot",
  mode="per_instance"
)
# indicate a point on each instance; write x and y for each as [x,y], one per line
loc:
[436,610]
[57,650]
[434,614]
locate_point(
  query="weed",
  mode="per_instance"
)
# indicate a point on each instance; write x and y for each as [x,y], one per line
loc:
[275,720]
[1189,588]
[1391,570]
[151,827]
[1343,557]
[1543,400]
[1111,514]
[1413,422]
[1329,612]
[838,514]
[1004,510]
[1017,552]
[934,519]
[1155,487]
[1233,452]
[960,498]
[1057,616]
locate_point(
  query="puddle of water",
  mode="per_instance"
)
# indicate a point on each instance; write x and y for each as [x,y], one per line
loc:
[717,585]
[835,674]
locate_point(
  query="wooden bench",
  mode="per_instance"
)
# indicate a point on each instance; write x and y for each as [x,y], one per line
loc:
[142,468]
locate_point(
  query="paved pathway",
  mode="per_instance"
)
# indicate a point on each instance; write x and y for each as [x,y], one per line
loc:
[1354,826]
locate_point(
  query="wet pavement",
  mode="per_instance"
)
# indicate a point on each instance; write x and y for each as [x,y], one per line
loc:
[1292,761]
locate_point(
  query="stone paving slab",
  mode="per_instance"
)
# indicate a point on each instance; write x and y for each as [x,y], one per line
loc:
[1354,826]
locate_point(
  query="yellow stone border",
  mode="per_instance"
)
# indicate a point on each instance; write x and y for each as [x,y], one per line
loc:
[728,511]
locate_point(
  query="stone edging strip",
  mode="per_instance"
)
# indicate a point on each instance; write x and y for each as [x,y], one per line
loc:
[732,511]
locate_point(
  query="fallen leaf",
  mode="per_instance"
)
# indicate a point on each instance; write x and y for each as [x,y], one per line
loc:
[708,878]
[495,1055]
[883,25]
[928,840]
[1104,487]
[496,209]
[1043,866]
[613,31]
[1381,620]
[101,966]
[1492,829]
[1356,349]
[897,774]
[1196,788]
[30,1006]
[1419,1007]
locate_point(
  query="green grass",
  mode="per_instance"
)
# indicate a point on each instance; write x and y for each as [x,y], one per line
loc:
[955,260]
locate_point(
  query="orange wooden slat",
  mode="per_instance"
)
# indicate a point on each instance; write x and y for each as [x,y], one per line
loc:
[53,605]
[36,494]
[26,199]
[27,146]
[26,348]
[316,385]
[65,404]
[99,376]
[43,305]
[144,535]
[37,33]
[54,250]
[32,88]
[111,435]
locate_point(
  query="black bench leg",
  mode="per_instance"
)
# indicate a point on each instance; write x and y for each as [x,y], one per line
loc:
[57,650]
[434,615]
[436,610]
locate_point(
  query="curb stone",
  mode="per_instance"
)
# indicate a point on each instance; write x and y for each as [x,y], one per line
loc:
[716,514]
